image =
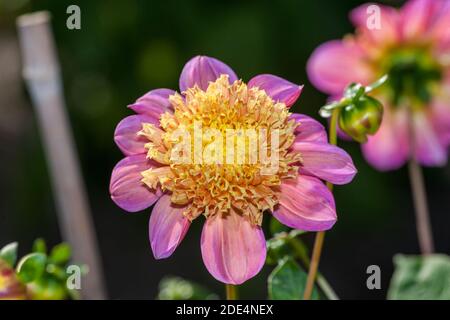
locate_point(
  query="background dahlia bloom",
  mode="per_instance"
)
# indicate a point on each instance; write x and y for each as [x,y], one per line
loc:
[412,46]
[232,197]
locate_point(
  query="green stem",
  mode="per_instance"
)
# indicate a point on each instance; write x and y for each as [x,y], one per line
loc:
[326,288]
[299,248]
[423,224]
[320,236]
[231,291]
[333,135]
[314,266]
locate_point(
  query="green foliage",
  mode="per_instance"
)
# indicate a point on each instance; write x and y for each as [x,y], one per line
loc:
[285,244]
[9,253]
[175,288]
[47,288]
[45,275]
[287,281]
[52,283]
[420,278]
[60,253]
[276,249]
[276,226]
[40,246]
[283,250]
[31,267]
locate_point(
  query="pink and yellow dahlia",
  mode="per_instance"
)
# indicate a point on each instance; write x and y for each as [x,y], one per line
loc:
[231,195]
[412,46]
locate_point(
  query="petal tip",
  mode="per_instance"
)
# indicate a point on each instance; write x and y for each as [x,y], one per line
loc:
[201,70]
[167,228]
[232,249]
[277,88]
[160,254]
[126,188]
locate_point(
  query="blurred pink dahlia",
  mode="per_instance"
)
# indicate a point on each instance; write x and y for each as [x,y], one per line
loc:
[412,46]
[231,196]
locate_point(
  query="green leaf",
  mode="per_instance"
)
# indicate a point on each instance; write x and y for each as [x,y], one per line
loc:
[31,267]
[277,247]
[56,271]
[287,281]
[276,227]
[60,253]
[420,278]
[175,288]
[40,246]
[295,233]
[276,250]
[47,288]
[9,253]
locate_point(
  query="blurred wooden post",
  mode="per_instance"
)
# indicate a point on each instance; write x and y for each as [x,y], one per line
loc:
[42,76]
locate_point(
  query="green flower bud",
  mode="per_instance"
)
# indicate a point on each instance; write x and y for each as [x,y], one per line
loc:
[361,118]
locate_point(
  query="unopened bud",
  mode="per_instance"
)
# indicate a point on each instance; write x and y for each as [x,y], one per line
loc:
[361,118]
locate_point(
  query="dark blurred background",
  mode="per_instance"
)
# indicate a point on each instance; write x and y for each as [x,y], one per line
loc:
[126,48]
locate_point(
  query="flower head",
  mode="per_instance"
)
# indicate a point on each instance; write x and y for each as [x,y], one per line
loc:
[229,151]
[412,46]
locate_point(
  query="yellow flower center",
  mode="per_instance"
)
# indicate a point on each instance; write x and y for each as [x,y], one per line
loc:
[221,149]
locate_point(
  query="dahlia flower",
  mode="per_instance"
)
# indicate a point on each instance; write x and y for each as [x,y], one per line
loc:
[412,46]
[231,195]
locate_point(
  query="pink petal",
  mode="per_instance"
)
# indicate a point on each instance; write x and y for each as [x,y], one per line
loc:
[441,120]
[440,29]
[389,31]
[428,149]
[201,70]
[233,249]
[126,188]
[336,64]
[306,204]
[308,129]
[277,88]
[153,103]
[388,149]
[325,161]
[126,134]
[167,227]
[416,17]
